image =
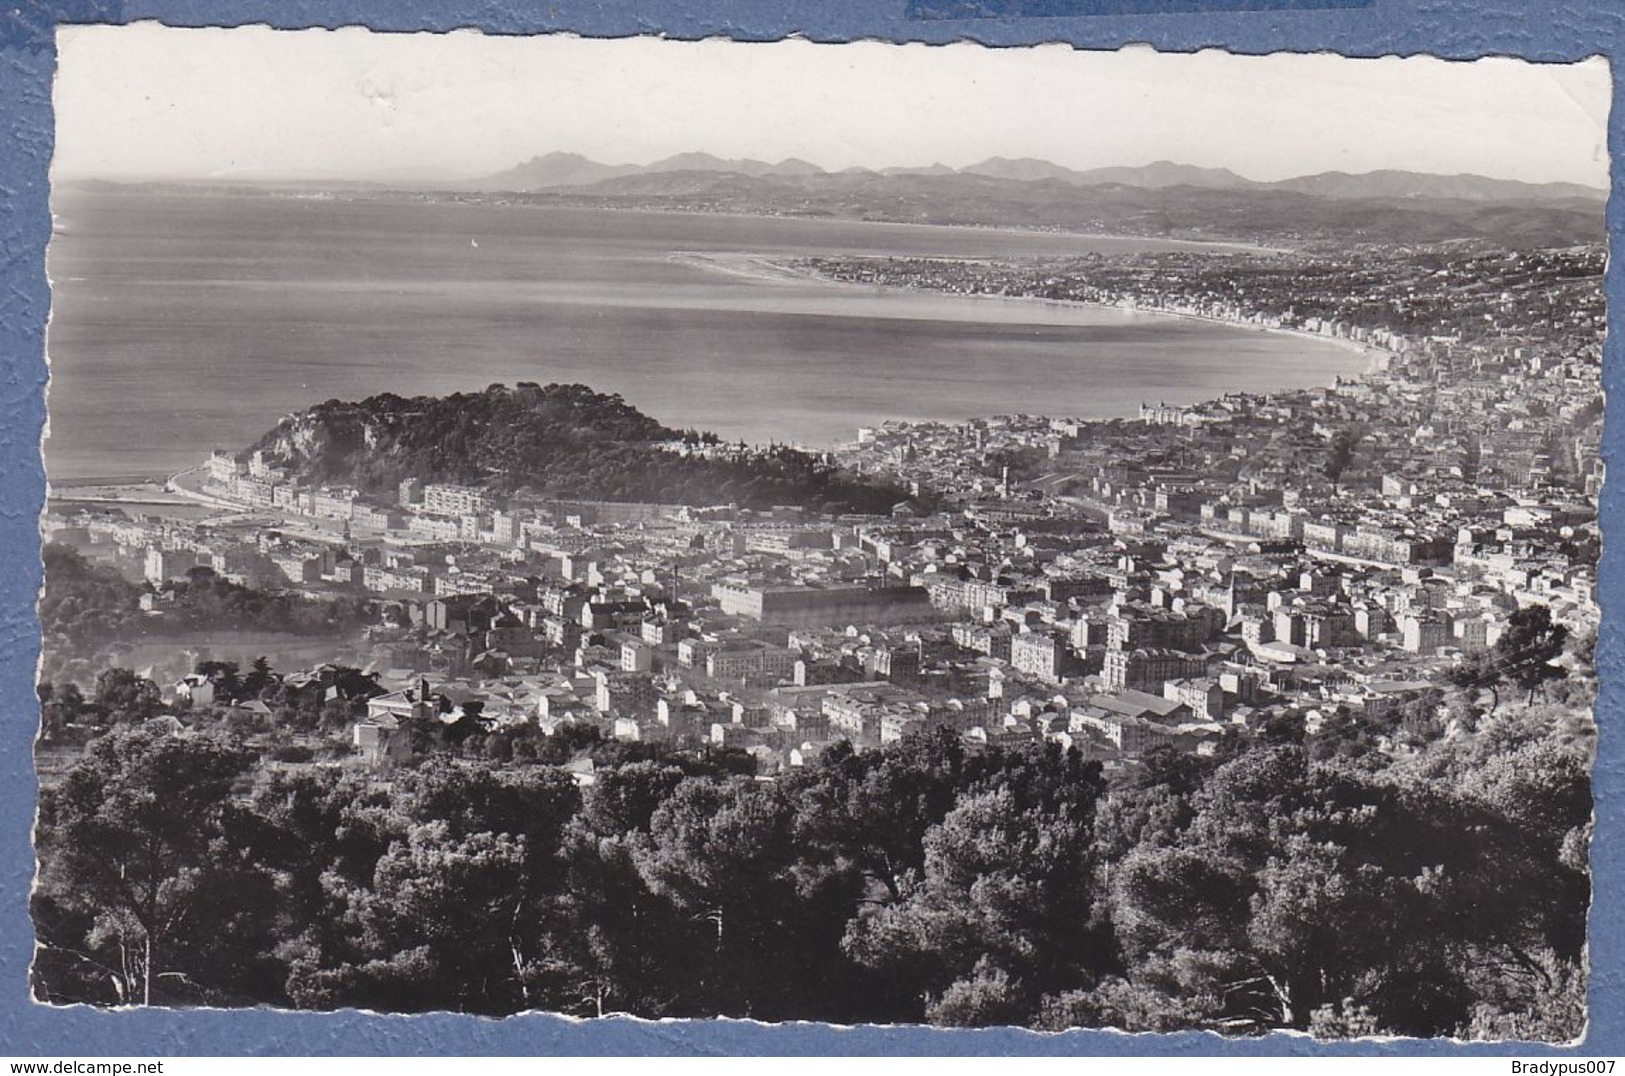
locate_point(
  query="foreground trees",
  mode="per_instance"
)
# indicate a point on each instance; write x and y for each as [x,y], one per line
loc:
[1526,656]
[1283,887]
[132,869]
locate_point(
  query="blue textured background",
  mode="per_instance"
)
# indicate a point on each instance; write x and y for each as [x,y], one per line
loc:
[993,9]
[1535,29]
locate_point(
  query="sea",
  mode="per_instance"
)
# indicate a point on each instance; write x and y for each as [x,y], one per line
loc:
[184,321]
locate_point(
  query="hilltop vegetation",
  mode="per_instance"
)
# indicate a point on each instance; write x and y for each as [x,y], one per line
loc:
[559,440]
[1280,885]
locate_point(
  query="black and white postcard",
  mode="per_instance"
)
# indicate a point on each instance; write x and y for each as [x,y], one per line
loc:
[851,533]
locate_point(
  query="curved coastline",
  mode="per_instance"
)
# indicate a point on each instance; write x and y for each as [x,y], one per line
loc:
[1011,229]
[764,269]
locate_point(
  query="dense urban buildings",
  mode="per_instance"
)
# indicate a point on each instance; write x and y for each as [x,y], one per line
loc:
[1290,553]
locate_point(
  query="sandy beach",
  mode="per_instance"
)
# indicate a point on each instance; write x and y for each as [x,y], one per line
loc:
[763,269]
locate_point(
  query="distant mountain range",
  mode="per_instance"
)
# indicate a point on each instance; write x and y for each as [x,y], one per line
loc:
[574,170]
[1164,199]
[556,171]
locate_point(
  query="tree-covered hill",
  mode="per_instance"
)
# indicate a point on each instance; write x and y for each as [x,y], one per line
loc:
[1273,887]
[559,440]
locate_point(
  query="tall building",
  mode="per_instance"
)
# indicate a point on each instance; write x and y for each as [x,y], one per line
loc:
[449,500]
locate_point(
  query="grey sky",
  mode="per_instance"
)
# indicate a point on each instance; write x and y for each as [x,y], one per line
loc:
[147,100]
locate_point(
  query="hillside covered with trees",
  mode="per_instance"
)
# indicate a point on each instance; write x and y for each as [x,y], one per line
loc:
[1283,884]
[88,611]
[557,440]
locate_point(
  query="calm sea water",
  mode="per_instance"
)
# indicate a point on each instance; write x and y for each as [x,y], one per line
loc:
[185,322]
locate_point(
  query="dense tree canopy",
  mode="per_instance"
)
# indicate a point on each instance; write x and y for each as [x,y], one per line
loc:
[1442,891]
[131,853]
[564,440]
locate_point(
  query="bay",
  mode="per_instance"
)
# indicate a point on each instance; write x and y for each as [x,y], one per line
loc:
[185,321]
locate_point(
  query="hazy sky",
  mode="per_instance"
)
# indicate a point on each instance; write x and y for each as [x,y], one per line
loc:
[253,102]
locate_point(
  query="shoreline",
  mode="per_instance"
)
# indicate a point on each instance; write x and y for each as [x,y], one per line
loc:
[137,491]
[496,198]
[154,494]
[114,493]
[765,270]
[515,200]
